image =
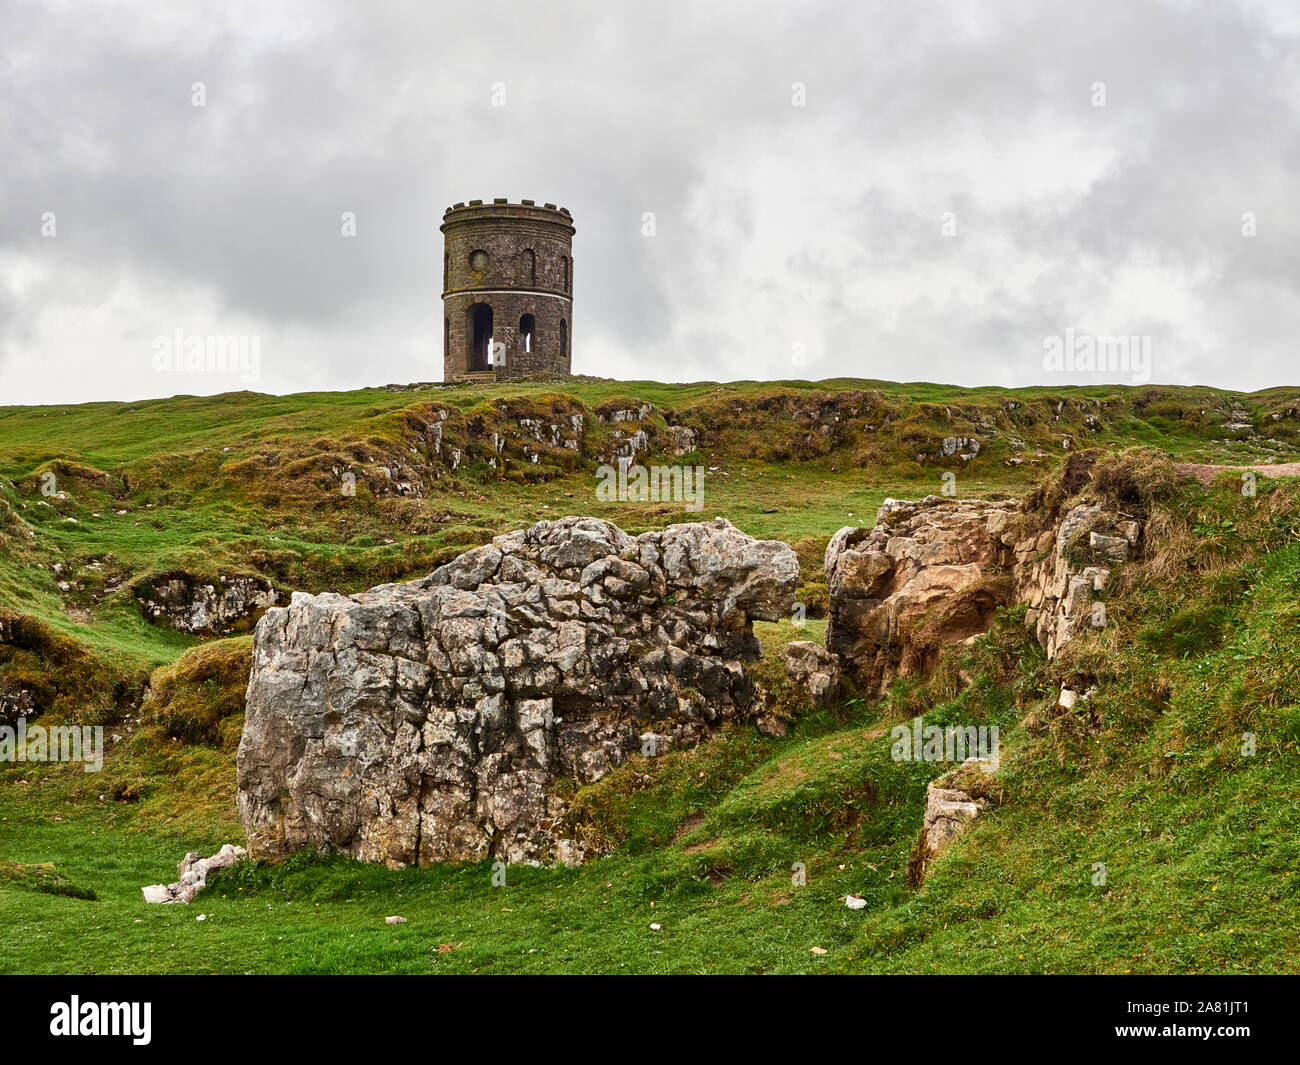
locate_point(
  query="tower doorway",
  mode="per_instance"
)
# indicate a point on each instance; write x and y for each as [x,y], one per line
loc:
[480,336]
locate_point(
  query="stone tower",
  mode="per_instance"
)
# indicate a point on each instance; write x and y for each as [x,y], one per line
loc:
[507,290]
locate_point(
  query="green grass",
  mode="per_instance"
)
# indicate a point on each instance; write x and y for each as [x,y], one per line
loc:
[1197,838]
[1198,841]
[246,484]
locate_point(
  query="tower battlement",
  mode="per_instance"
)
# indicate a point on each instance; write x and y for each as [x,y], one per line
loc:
[522,209]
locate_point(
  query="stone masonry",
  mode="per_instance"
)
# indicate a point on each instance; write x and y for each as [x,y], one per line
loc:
[507,290]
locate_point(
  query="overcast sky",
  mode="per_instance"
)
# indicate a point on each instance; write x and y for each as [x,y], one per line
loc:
[906,190]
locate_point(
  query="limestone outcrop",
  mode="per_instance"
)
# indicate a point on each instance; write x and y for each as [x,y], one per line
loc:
[431,721]
[924,565]
[681,440]
[952,802]
[189,605]
[1061,571]
[814,668]
[192,874]
[934,572]
[14,705]
[948,811]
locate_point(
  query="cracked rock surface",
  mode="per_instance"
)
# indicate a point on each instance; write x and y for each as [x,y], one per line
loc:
[813,667]
[429,721]
[927,558]
[934,572]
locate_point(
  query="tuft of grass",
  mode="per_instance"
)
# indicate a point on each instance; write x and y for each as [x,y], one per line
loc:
[42,878]
[195,698]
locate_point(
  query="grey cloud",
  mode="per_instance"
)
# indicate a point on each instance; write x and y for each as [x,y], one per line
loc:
[775,223]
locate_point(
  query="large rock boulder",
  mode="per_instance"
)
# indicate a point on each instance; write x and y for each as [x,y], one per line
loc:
[429,721]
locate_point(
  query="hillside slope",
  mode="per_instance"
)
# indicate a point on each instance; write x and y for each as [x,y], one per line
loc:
[153,502]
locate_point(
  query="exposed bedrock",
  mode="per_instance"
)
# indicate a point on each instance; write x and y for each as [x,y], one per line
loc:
[922,577]
[432,720]
[934,572]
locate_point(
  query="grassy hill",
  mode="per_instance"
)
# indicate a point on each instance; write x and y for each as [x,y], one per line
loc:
[102,503]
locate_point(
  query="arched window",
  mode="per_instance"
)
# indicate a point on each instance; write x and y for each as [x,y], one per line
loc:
[446,270]
[564,337]
[479,335]
[527,330]
[446,336]
[530,265]
[565,260]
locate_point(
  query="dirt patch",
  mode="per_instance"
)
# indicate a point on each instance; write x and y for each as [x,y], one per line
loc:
[689,825]
[1078,472]
[1205,473]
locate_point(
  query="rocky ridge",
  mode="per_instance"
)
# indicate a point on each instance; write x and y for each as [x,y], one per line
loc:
[433,720]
